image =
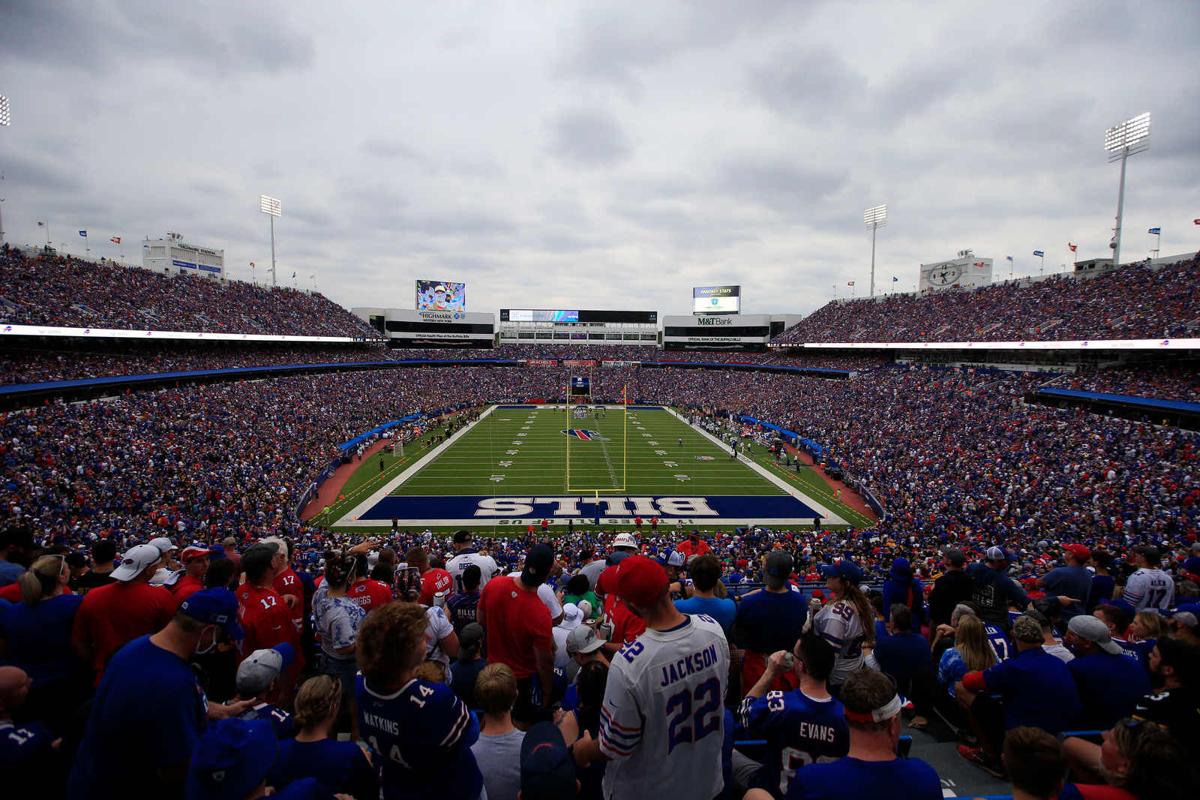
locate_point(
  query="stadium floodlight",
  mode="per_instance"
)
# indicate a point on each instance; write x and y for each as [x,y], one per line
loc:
[5,112]
[272,208]
[875,217]
[1120,142]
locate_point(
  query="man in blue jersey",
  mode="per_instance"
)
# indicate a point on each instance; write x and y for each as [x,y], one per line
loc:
[871,767]
[27,750]
[150,703]
[770,620]
[803,726]
[422,733]
[257,677]
[1109,683]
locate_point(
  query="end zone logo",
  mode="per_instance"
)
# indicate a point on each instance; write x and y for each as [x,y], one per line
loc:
[585,435]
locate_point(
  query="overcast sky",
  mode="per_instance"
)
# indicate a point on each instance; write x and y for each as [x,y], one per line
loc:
[599,155]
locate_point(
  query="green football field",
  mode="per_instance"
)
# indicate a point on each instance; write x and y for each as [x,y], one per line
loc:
[639,462]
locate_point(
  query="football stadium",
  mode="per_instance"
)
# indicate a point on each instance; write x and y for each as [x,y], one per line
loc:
[759,401]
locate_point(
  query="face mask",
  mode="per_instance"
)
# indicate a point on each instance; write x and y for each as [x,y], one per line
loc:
[202,650]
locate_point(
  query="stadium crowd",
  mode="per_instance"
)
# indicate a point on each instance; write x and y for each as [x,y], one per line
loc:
[1133,302]
[70,292]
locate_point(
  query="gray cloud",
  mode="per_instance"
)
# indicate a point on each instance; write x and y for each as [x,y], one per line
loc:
[589,138]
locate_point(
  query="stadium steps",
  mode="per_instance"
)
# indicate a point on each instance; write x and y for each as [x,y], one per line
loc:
[938,746]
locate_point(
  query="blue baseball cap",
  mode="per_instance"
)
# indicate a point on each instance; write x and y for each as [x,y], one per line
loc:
[547,768]
[231,759]
[845,569]
[214,607]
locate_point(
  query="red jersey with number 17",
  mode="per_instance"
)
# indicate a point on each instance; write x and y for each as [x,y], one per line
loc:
[288,582]
[266,620]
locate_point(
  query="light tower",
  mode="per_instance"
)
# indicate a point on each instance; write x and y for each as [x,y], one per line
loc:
[5,121]
[1122,141]
[272,208]
[876,218]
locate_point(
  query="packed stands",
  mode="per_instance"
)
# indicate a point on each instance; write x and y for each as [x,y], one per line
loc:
[1133,302]
[69,292]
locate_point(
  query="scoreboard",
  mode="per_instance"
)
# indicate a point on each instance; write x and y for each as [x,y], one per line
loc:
[581,385]
[407,328]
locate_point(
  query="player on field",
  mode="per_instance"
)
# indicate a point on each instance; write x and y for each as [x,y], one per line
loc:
[803,726]
[847,622]
[465,554]
[421,731]
[662,724]
[1149,586]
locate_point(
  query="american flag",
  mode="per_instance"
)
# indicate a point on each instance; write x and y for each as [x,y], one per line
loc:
[115,239]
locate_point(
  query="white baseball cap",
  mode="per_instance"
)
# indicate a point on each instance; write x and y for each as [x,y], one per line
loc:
[164,544]
[572,617]
[135,561]
[624,540]
[254,675]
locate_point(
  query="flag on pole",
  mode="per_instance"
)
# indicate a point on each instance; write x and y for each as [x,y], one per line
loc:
[1072,247]
[1008,258]
[1196,222]
[1039,253]
[41,224]
[849,283]
[115,239]
[895,279]
[980,264]
[1156,231]
[83,234]
[293,276]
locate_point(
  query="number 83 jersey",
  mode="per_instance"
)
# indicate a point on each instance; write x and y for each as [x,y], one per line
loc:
[662,721]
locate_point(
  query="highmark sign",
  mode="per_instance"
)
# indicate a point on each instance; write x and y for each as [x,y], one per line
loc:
[581,510]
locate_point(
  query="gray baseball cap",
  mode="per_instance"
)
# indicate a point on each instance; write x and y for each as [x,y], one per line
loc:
[1094,630]
[584,640]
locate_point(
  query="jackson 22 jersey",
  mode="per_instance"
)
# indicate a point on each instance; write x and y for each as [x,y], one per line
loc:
[662,721]
[423,735]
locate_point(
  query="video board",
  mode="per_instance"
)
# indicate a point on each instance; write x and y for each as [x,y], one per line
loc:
[441,296]
[716,299]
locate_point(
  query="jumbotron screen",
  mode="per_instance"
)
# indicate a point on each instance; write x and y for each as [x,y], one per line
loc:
[441,296]
[716,299]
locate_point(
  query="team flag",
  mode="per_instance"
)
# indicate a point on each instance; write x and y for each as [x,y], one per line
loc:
[115,239]
[1039,253]
[1008,258]
[980,264]
[1072,247]
[293,276]
[1156,231]
[251,265]
[1196,222]
[83,234]
[849,283]
[895,279]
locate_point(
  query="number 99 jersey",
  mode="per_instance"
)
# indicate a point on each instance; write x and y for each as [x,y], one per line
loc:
[662,721]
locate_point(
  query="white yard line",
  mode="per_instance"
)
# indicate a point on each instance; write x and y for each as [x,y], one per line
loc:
[827,516]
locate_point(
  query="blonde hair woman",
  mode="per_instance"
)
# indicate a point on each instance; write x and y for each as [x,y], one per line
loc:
[972,652]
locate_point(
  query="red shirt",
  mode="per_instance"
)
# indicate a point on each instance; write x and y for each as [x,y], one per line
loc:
[266,620]
[12,592]
[112,616]
[627,625]
[288,582]
[185,587]
[370,594]
[518,624]
[688,549]
[432,582]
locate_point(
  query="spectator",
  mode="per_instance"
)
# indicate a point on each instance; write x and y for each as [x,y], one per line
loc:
[903,589]
[769,620]
[422,730]
[584,647]
[546,769]
[993,590]
[498,750]
[1109,683]
[36,636]
[337,619]
[16,545]
[954,586]
[149,702]
[1103,583]
[1049,643]
[904,654]
[1035,689]
[1136,760]
[1035,764]
[519,634]
[257,677]
[195,565]
[264,615]
[578,590]
[871,767]
[705,571]
[231,762]
[104,561]
[1072,582]
[645,689]
[592,681]
[803,726]
[111,616]
[468,664]
[436,583]
[693,546]
[1175,701]
[847,622]
[462,606]
[572,619]
[971,652]
[28,750]
[465,555]
[364,591]
[1149,587]
[338,767]
[286,582]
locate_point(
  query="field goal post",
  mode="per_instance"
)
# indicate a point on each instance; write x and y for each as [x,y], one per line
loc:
[584,395]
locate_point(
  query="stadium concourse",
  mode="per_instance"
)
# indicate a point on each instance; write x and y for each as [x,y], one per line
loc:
[1029,590]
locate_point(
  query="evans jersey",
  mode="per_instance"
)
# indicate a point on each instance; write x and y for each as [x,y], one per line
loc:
[662,721]
[422,734]
[799,731]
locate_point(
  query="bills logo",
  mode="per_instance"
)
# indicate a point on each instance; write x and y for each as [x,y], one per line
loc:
[580,433]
